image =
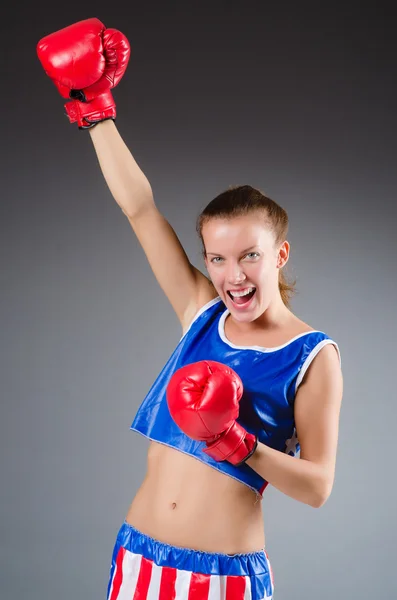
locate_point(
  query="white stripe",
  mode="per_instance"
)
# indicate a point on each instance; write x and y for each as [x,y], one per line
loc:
[155,580]
[130,569]
[217,589]
[247,591]
[182,584]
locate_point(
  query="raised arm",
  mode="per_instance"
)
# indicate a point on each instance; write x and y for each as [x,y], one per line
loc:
[127,183]
[186,287]
[86,61]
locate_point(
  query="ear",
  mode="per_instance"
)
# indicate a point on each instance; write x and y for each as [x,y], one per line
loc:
[283,254]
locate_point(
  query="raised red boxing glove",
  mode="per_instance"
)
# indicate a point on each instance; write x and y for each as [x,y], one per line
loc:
[203,399]
[85,61]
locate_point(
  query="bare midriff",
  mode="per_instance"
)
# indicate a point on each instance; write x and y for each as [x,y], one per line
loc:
[186,503]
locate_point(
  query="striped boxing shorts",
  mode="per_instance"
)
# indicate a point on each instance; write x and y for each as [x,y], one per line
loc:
[145,569]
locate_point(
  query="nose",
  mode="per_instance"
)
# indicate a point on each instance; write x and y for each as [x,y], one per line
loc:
[235,274]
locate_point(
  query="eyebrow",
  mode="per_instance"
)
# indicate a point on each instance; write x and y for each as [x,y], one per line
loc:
[242,252]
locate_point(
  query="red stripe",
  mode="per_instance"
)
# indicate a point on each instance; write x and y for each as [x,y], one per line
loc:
[199,586]
[142,585]
[167,584]
[264,486]
[235,587]
[118,575]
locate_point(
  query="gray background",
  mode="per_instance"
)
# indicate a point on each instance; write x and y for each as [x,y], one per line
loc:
[298,101]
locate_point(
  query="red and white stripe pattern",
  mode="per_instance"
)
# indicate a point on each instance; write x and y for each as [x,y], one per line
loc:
[137,578]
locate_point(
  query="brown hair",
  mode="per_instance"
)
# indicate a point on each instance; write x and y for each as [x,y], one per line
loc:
[241,200]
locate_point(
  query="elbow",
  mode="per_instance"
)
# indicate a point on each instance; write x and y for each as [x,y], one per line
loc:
[319,501]
[321,494]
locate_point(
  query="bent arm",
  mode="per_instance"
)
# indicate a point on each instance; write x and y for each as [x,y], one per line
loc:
[317,409]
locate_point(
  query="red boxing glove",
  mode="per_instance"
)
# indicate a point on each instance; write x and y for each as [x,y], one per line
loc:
[85,61]
[203,399]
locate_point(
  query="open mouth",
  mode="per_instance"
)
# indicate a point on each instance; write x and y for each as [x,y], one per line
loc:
[242,297]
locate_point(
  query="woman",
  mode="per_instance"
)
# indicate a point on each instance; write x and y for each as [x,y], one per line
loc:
[195,527]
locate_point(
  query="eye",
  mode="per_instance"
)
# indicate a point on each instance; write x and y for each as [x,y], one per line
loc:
[216,259]
[252,254]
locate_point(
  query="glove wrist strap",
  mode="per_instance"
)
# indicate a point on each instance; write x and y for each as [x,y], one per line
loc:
[88,114]
[236,445]
[254,447]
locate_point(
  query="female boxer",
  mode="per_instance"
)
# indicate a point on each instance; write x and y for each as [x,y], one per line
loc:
[248,385]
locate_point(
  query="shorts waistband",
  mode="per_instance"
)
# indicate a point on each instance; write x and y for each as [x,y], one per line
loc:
[198,561]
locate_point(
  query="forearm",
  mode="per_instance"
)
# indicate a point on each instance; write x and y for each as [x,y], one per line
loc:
[300,479]
[126,181]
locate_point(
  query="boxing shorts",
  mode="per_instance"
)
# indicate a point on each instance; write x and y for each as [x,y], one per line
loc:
[145,569]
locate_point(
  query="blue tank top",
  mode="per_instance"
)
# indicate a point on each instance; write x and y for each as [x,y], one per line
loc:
[270,377]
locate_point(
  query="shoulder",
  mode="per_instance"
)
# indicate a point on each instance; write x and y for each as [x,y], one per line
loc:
[322,361]
[318,350]
[321,391]
[322,382]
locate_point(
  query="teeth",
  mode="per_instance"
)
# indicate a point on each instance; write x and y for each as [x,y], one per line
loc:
[242,293]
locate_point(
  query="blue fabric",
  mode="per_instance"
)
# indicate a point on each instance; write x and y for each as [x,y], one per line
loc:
[269,375]
[256,565]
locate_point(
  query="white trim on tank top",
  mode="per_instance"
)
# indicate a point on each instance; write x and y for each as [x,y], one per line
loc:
[309,359]
[221,331]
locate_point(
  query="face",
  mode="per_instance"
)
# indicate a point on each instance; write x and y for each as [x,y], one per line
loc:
[243,263]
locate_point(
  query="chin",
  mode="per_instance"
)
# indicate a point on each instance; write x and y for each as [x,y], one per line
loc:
[245,316]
